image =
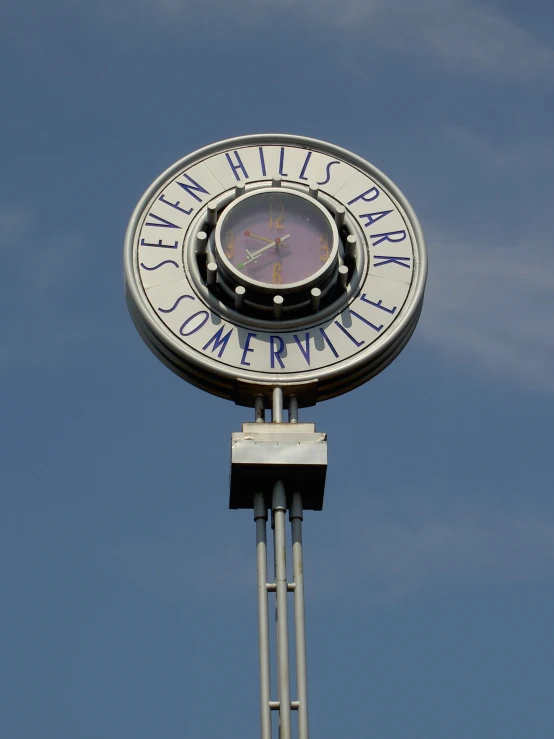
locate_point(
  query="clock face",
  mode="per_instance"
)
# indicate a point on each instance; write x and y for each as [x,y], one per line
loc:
[276,238]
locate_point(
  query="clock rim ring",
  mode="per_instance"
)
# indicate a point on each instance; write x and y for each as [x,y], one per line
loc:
[238,319]
[334,379]
[291,287]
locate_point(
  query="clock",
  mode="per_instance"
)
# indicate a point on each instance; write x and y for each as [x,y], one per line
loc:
[273,260]
[276,240]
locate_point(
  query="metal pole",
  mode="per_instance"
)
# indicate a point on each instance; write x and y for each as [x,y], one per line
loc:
[279,511]
[296,516]
[293,409]
[277,409]
[259,409]
[260,516]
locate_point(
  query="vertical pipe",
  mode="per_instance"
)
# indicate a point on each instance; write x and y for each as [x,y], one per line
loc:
[260,517]
[275,600]
[279,512]
[259,409]
[293,409]
[277,410]
[296,515]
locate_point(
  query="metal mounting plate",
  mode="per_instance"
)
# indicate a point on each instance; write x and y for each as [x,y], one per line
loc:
[291,452]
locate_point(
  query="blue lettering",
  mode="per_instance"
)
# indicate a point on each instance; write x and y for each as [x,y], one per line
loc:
[282,162]
[276,354]
[163,223]
[247,349]
[175,205]
[373,192]
[305,351]
[262,160]
[372,218]
[194,186]
[308,155]
[157,266]
[328,170]
[218,341]
[175,304]
[386,237]
[239,165]
[328,342]
[357,315]
[160,244]
[392,260]
[197,328]
[358,343]
[378,304]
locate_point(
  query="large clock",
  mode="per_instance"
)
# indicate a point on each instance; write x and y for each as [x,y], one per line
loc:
[274,260]
[277,240]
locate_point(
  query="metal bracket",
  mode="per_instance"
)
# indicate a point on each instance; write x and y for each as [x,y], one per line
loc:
[276,705]
[266,452]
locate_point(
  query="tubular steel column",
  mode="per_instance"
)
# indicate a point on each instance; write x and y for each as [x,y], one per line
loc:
[279,507]
[260,516]
[265,459]
[296,516]
[277,405]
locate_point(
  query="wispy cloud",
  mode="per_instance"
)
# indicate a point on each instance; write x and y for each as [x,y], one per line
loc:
[391,551]
[36,269]
[40,263]
[384,549]
[522,153]
[13,223]
[164,564]
[491,307]
[490,293]
[467,36]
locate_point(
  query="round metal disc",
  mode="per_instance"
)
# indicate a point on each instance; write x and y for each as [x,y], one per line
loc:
[216,345]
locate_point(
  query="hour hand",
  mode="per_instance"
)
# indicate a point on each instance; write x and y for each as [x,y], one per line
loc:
[271,244]
[260,238]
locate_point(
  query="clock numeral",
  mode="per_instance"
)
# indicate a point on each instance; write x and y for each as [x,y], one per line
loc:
[324,248]
[277,217]
[277,279]
[229,244]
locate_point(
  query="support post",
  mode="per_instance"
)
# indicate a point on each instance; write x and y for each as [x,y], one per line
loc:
[259,409]
[279,507]
[277,406]
[293,409]
[260,516]
[296,516]
[265,459]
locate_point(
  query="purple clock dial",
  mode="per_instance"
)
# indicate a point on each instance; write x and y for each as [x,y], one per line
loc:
[276,238]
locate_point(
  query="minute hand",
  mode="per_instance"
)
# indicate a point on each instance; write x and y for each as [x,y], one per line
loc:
[254,254]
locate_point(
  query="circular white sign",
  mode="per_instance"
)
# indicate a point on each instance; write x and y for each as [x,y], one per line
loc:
[236,350]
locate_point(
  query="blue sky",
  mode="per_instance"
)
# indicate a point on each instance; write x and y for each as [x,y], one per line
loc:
[128,587]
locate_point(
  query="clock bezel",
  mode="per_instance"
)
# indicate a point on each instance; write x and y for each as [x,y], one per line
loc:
[240,278]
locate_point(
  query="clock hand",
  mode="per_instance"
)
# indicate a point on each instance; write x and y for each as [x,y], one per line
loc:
[254,254]
[260,238]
